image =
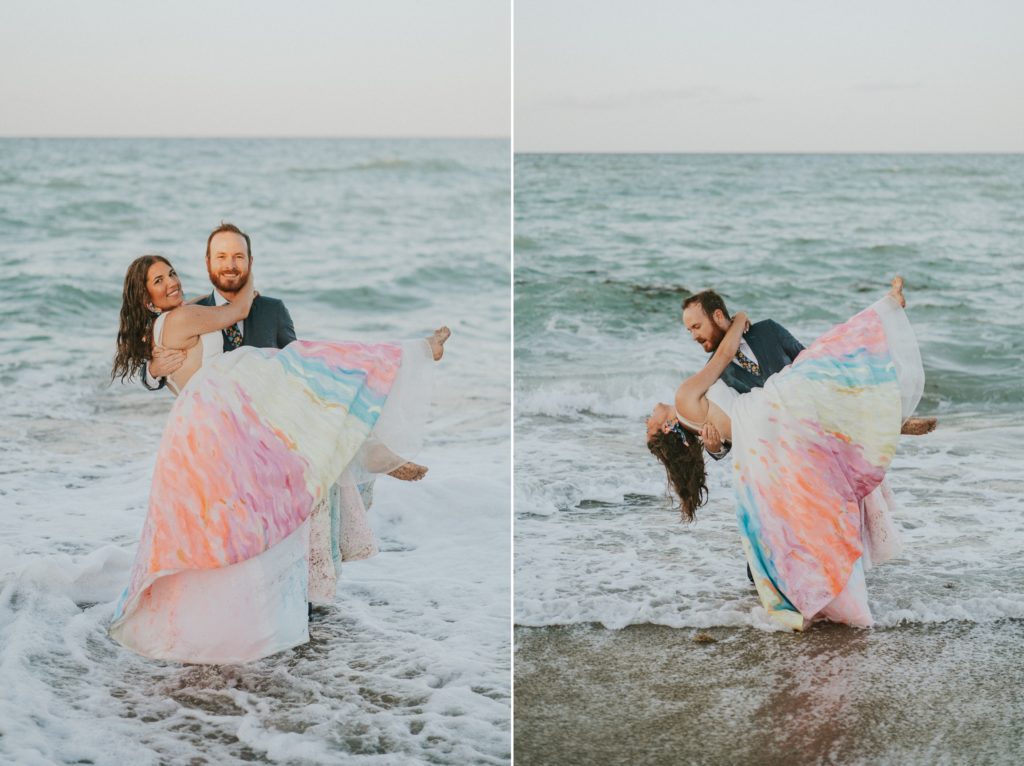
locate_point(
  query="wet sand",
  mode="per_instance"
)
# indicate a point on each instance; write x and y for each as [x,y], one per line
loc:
[949,693]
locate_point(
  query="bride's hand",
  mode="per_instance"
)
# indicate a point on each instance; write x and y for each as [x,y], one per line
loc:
[731,342]
[711,437]
[165,361]
[248,293]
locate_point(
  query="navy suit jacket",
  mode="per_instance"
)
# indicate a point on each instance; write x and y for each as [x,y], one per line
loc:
[774,348]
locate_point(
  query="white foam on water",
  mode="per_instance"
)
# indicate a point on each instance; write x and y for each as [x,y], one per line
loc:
[597,540]
[412,662]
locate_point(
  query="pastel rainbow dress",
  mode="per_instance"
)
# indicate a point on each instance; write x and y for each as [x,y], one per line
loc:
[810,452]
[237,515]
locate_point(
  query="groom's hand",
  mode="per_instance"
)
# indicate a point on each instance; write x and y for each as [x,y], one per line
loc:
[711,437]
[165,361]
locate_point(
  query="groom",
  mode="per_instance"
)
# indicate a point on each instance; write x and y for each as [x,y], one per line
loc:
[765,349]
[228,262]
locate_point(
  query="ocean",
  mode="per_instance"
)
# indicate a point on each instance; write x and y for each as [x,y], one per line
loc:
[362,239]
[615,597]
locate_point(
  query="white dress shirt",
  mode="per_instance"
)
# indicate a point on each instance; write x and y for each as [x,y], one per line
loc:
[748,352]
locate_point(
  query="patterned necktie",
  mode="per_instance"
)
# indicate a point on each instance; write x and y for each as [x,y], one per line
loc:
[747,363]
[234,336]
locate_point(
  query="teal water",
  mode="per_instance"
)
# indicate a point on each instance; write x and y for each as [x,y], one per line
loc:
[606,249]
[607,246]
[362,239]
[610,244]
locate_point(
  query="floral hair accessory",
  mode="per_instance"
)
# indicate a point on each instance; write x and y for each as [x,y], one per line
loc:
[678,429]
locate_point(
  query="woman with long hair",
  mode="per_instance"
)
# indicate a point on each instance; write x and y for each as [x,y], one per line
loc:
[809,454]
[237,537]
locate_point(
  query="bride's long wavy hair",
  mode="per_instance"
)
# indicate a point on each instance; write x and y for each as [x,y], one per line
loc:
[684,464]
[133,336]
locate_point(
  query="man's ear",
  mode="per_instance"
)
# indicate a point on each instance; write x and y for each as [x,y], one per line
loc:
[718,317]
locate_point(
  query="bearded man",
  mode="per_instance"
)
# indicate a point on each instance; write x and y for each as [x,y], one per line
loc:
[228,262]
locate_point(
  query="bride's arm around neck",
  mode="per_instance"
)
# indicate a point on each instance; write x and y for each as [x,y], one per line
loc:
[187,322]
[691,400]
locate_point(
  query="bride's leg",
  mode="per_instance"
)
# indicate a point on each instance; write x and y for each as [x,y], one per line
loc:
[912,426]
[897,291]
[378,458]
[409,472]
[437,341]
[919,426]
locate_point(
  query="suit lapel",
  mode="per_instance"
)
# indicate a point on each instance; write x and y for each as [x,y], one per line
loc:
[248,325]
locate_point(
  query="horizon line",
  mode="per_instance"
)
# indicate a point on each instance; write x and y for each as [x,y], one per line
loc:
[922,152]
[259,137]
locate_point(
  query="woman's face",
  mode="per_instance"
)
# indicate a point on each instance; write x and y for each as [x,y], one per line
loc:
[163,286]
[662,418]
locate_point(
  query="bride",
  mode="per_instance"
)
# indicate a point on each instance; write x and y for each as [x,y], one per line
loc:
[810,452]
[237,538]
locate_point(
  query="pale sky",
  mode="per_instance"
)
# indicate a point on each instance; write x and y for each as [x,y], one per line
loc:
[769,75]
[256,68]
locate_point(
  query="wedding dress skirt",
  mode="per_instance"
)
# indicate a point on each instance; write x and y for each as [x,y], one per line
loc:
[243,525]
[810,452]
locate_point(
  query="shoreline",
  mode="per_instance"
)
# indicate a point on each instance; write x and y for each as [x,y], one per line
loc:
[648,694]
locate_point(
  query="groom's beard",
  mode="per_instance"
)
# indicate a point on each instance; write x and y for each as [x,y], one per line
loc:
[229,281]
[715,340]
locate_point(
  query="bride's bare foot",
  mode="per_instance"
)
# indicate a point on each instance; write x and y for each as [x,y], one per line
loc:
[897,291]
[409,472]
[437,341]
[919,426]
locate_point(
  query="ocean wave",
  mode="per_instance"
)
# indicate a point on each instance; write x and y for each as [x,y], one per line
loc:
[893,249]
[648,290]
[392,657]
[925,166]
[57,184]
[621,396]
[91,578]
[523,243]
[386,165]
[482,270]
[45,299]
[424,166]
[7,222]
[613,614]
[90,211]
[384,299]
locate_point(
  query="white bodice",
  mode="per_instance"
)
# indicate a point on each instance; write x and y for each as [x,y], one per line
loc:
[722,396]
[212,344]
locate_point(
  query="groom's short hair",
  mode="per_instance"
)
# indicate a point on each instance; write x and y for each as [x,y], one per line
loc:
[709,300]
[234,230]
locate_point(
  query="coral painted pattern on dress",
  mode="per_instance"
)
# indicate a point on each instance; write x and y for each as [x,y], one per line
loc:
[807,449]
[252,445]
